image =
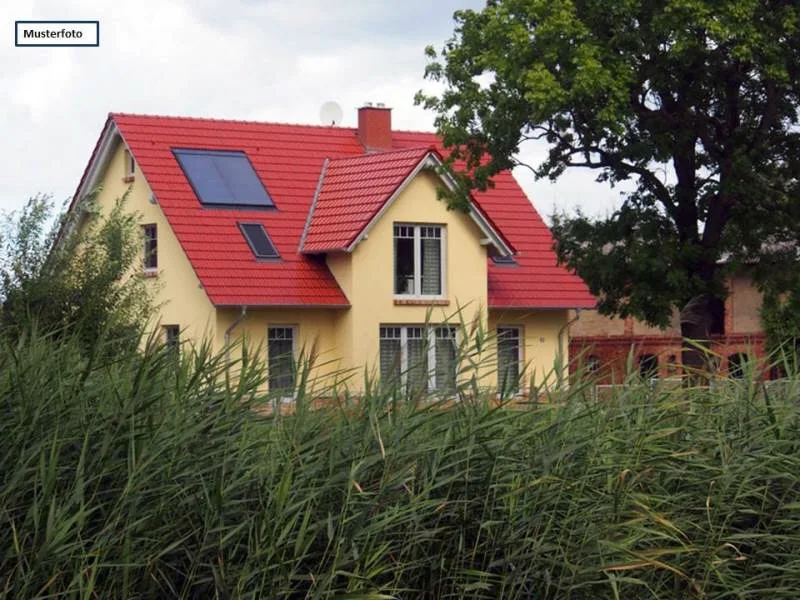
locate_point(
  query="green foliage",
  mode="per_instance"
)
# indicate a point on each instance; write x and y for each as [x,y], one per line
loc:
[74,273]
[706,91]
[780,318]
[140,477]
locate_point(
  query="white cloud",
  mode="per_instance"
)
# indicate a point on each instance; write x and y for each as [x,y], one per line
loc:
[275,60]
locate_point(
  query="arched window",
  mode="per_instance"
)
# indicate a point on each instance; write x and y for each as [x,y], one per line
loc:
[736,363]
[648,366]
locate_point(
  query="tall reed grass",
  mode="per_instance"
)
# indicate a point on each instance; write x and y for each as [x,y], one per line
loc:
[153,476]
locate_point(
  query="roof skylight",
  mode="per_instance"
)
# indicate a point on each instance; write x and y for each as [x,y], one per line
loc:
[223,178]
[259,241]
[504,261]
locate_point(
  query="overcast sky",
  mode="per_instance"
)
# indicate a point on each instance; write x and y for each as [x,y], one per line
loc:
[272,60]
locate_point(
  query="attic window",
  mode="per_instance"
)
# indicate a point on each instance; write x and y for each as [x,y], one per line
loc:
[504,261]
[130,166]
[258,240]
[223,178]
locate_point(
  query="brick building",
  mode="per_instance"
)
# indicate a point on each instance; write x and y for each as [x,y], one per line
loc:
[604,344]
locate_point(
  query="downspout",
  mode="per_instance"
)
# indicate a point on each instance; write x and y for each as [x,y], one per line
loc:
[228,331]
[565,329]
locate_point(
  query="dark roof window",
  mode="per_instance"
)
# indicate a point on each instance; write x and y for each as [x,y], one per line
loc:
[223,178]
[259,241]
[504,261]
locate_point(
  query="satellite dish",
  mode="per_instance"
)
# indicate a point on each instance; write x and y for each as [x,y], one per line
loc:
[330,113]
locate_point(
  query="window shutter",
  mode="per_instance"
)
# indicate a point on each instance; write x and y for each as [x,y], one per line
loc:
[417,360]
[390,360]
[431,266]
[445,359]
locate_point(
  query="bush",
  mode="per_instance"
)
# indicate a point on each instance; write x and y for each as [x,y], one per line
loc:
[73,273]
[144,476]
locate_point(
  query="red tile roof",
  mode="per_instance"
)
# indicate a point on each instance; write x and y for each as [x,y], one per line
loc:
[353,190]
[289,160]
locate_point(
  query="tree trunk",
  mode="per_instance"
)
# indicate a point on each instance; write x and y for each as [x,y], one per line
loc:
[696,320]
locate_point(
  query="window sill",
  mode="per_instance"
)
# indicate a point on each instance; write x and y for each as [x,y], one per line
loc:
[418,301]
[128,179]
[150,273]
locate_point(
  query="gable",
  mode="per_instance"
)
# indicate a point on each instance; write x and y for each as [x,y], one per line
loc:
[418,204]
[464,247]
[353,193]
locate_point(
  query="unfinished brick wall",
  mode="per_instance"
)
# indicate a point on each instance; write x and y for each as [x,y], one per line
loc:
[590,322]
[618,344]
[746,309]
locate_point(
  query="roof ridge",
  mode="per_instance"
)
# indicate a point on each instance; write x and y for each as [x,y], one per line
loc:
[385,153]
[221,120]
[257,122]
[254,122]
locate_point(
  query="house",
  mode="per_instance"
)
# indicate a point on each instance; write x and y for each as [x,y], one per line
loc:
[332,242]
[603,344]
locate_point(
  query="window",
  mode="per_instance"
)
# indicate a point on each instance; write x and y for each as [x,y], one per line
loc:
[150,247]
[418,258]
[172,337]
[648,366]
[130,165]
[259,241]
[280,359]
[419,359]
[504,261]
[223,178]
[509,355]
[736,365]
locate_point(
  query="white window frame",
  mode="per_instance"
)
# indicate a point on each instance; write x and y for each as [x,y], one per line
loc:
[520,355]
[417,227]
[429,335]
[145,239]
[294,329]
[130,165]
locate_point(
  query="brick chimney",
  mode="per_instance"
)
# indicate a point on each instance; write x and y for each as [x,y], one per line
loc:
[375,127]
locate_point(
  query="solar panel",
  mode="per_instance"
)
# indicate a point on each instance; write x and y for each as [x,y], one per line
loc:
[258,239]
[504,261]
[223,178]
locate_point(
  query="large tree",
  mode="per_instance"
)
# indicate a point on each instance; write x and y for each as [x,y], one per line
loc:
[694,101]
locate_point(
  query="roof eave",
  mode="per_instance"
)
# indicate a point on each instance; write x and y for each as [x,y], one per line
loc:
[278,305]
[493,306]
[99,161]
[101,155]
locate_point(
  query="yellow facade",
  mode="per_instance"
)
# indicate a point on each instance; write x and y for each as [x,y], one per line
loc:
[179,296]
[344,342]
[367,278]
[545,342]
